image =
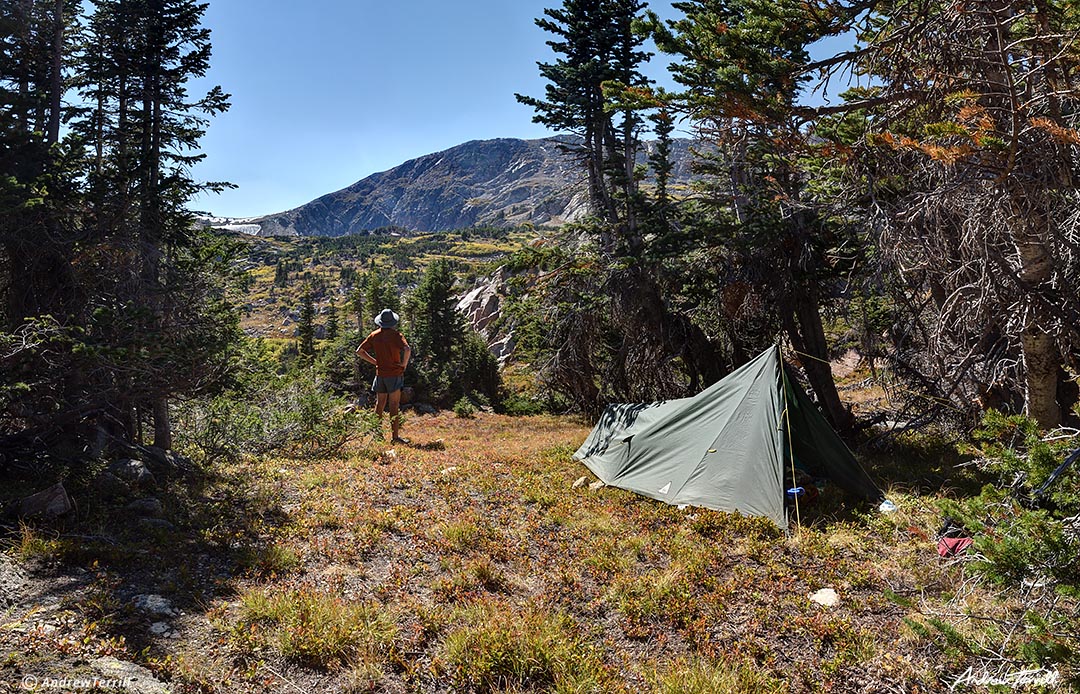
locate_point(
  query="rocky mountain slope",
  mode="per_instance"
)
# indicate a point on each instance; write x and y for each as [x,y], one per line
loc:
[503,182]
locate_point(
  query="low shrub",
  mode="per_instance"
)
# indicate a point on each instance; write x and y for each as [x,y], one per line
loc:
[499,650]
[312,626]
[294,413]
[700,676]
[1028,543]
[464,409]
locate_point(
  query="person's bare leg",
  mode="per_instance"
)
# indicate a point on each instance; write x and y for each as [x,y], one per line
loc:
[380,405]
[395,422]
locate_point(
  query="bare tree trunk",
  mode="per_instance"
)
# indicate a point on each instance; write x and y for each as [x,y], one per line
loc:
[809,338]
[1042,359]
[162,425]
[1041,367]
[24,18]
[56,74]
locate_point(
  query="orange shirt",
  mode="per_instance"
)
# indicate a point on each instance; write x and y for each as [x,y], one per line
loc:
[387,346]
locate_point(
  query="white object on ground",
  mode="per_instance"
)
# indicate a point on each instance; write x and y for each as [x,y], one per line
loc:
[826,597]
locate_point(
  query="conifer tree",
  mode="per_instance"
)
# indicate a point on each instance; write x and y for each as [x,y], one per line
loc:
[435,327]
[95,232]
[380,292]
[305,324]
[739,70]
[141,55]
[595,44]
[332,325]
[975,114]
[595,91]
[356,304]
[38,184]
[451,360]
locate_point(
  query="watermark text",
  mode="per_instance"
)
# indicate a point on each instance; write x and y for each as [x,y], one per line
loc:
[34,683]
[1040,677]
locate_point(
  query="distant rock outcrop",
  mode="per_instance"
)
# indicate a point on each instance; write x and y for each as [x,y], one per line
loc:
[503,182]
[482,307]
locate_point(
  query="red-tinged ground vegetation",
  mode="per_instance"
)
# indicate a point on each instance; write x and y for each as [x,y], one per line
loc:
[468,561]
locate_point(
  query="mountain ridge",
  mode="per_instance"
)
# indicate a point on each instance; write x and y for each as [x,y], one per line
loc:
[497,182]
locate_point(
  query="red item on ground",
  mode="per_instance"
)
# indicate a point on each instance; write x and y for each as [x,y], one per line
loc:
[952,546]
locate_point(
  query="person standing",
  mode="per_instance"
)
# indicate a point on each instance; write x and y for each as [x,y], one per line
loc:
[391,356]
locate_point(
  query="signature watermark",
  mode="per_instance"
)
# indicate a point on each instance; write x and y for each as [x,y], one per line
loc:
[34,683]
[1040,677]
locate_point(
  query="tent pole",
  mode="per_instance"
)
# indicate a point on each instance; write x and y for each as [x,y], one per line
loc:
[791,445]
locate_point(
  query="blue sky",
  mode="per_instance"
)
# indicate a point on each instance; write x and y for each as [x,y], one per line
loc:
[326,92]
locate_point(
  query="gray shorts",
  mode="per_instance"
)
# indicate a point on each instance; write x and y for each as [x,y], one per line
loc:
[387,384]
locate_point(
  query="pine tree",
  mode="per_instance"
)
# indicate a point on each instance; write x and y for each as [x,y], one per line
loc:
[974,113]
[596,90]
[766,231]
[95,228]
[595,44]
[142,127]
[435,327]
[38,183]
[380,292]
[305,324]
[332,325]
[355,302]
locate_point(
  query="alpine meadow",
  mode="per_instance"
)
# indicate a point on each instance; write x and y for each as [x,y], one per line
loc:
[723,346]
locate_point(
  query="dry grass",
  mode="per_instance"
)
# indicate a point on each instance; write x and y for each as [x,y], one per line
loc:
[498,572]
[473,565]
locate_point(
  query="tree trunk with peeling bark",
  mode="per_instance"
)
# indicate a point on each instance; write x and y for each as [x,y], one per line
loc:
[1042,359]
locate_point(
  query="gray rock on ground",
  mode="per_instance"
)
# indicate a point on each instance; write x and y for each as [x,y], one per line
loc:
[148,507]
[133,472]
[129,677]
[108,486]
[164,630]
[154,605]
[50,502]
[166,462]
[12,582]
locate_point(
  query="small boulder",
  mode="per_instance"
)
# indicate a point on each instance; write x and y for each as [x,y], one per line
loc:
[166,462]
[12,582]
[598,484]
[135,678]
[425,408]
[146,508]
[580,482]
[156,524]
[108,486]
[154,605]
[50,503]
[133,472]
[826,597]
[164,630]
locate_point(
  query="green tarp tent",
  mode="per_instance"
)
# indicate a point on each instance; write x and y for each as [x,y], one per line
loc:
[726,448]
